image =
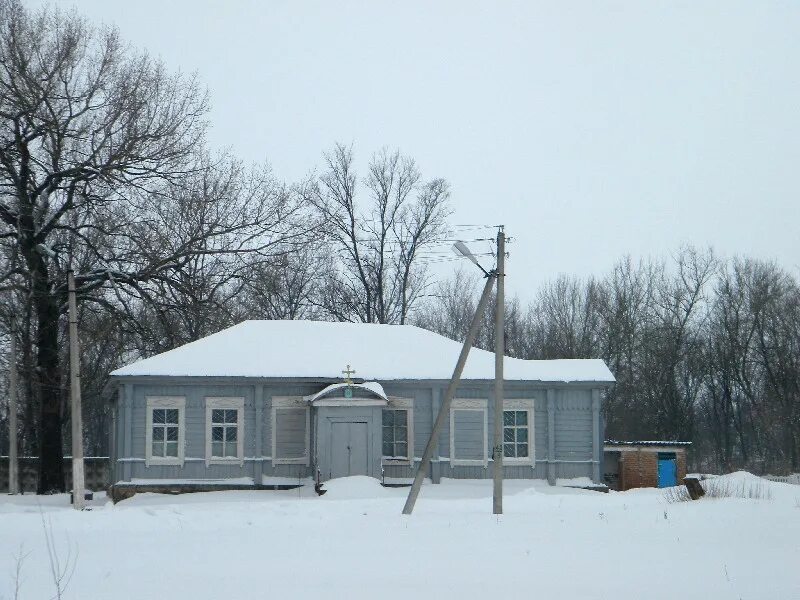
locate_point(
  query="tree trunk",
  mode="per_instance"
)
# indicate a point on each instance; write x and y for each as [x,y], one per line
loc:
[51,457]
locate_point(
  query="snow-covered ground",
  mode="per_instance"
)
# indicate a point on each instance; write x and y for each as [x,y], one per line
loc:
[354,543]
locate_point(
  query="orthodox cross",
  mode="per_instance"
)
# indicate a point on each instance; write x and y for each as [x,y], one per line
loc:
[348,372]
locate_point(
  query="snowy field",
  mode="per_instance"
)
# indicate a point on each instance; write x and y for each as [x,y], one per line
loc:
[353,543]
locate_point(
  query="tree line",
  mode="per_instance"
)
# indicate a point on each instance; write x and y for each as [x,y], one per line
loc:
[105,170]
[703,349]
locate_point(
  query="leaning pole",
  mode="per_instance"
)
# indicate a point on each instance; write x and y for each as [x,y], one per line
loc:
[444,410]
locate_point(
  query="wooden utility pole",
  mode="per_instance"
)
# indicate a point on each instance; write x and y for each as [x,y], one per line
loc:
[78,482]
[444,409]
[13,464]
[499,352]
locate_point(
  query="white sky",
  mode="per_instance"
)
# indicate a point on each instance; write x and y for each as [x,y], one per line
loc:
[590,129]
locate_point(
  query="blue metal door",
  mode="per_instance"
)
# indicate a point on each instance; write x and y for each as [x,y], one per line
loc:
[667,472]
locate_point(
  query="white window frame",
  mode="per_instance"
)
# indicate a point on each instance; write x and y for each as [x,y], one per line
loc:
[475,405]
[160,402]
[526,405]
[406,404]
[229,403]
[297,403]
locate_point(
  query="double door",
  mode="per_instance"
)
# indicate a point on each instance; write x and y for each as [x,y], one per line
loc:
[349,448]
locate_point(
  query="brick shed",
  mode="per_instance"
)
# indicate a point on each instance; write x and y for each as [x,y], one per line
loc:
[637,464]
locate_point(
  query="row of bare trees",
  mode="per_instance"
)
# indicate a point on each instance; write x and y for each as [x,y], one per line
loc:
[104,170]
[703,349]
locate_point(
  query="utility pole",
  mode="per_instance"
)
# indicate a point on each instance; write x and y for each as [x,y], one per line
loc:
[78,483]
[13,476]
[499,352]
[444,409]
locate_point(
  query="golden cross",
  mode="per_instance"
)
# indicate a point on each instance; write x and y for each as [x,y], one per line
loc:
[347,373]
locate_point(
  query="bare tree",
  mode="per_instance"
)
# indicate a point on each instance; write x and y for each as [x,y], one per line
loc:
[216,226]
[449,306]
[87,128]
[753,351]
[377,274]
[287,287]
[673,348]
[565,320]
[702,350]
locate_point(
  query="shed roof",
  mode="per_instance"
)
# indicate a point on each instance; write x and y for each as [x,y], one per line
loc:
[316,349]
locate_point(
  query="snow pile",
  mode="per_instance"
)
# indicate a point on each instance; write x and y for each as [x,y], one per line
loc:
[354,543]
[746,486]
[321,350]
[357,487]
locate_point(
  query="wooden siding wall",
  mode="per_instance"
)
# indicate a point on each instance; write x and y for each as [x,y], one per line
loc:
[565,433]
[290,424]
[469,439]
[573,423]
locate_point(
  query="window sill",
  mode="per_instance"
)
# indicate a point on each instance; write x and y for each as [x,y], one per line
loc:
[164,462]
[290,461]
[517,462]
[224,461]
[400,462]
[468,463]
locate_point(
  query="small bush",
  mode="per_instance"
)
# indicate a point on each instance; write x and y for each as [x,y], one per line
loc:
[718,487]
[747,490]
[676,494]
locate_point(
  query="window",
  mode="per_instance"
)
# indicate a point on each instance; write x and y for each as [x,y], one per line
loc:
[224,435]
[291,424]
[518,431]
[165,432]
[224,428]
[468,433]
[515,434]
[395,433]
[398,431]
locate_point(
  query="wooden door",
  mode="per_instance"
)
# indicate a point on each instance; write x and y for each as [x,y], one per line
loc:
[349,449]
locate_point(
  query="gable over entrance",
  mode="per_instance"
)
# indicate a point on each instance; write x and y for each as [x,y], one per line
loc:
[347,394]
[347,421]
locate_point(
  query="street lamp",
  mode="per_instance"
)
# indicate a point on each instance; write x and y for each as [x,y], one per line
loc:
[461,249]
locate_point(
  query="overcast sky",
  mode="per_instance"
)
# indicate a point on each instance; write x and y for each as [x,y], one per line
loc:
[592,130]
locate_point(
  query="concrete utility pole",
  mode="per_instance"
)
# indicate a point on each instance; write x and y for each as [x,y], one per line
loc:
[13,475]
[78,481]
[444,410]
[499,352]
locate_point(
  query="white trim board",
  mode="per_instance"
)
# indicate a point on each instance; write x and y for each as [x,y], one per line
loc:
[237,404]
[406,404]
[463,404]
[156,402]
[290,403]
[527,404]
[354,402]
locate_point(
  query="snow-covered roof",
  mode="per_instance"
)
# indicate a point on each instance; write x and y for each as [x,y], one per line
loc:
[317,349]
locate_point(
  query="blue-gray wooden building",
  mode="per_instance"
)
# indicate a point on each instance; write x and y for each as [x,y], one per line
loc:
[276,402]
